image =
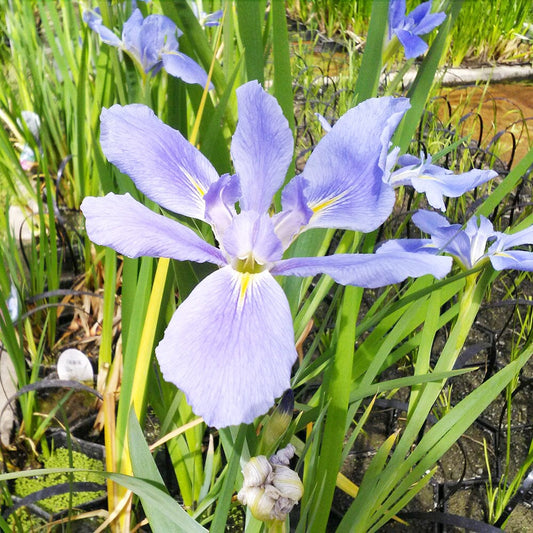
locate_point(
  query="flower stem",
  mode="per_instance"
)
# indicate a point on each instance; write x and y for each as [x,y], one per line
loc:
[277,526]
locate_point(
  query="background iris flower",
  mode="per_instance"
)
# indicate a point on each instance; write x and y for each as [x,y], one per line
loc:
[408,27]
[436,182]
[206,19]
[230,344]
[468,245]
[425,177]
[152,42]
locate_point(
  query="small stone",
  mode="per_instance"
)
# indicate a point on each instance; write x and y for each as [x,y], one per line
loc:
[73,364]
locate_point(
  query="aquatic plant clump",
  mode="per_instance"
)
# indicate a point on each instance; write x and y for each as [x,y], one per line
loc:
[25,486]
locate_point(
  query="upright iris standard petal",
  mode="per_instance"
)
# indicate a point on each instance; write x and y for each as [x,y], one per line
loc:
[230,346]
[295,214]
[261,148]
[480,232]
[130,228]
[367,270]
[162,163]
[131,34]
[157,36]
[220,200]
[251,238]
[396,15]
[344,174]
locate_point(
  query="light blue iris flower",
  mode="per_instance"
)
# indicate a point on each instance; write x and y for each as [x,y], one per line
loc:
[230,344]
[436,182]
[409,27]
[476,243]
[152,42]
[206,20]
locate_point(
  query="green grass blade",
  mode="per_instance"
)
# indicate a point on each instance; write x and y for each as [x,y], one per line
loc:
[368,78]
[282,64]
[338,394]
[249,16]
[233,450]
[144,467]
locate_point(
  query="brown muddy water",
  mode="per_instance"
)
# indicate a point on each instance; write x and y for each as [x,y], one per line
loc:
[499,116]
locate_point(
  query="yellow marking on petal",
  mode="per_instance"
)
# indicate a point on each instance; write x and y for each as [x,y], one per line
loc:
[503,254]
[245,282]
[194,182]
[326,203]
[428,177]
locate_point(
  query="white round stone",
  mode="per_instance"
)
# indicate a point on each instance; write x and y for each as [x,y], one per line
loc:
[73,364]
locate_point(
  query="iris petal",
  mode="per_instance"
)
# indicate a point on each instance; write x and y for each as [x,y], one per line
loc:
[367,270]
[515,259]
[93,19]
[413,44]
[130,228]
[161,162]
[261,148]
[437,182]
[424,20]
[230,347]
[295,214]
[419,14]
[158,35]
[252,235]
[409,245]
[345,172]
[508,240]
[131,33]
[396,14]
[181,66]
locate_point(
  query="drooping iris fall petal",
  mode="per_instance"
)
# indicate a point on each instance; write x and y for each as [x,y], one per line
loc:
[130,228]
[164,166]
[230,346]
[344,185]
[366,270]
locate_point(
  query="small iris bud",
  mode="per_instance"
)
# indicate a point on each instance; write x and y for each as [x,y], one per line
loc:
[259,500]
[282,508]
[288,483]
[278,422]
[257,471]
[283,456]
[270,488]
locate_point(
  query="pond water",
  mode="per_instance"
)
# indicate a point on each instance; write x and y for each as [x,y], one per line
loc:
[500,116]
